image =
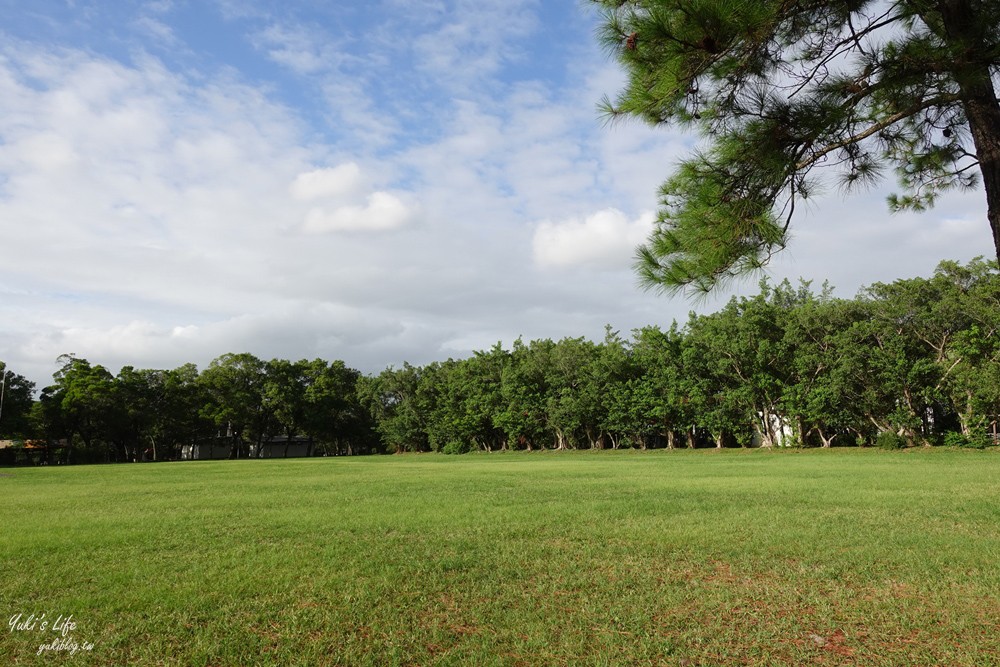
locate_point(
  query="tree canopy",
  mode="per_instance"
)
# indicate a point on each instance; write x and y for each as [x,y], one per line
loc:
[15,402]
[778,89]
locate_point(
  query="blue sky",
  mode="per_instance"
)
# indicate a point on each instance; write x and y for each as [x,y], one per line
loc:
[378,182]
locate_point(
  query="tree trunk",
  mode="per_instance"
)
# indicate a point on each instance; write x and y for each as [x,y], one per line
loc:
[595,443]
[765,439]
[965,417]
[982,110]
[770,439]
[827,441]
[986,135]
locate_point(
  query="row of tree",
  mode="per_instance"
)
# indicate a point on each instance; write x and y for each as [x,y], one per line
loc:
[917,359]
[238,400]
[912,362]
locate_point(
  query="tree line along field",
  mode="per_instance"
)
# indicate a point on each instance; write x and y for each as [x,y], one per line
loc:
[913,362]
[739,557]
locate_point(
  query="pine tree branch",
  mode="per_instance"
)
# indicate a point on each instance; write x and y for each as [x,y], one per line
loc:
[849,42]
[877,127]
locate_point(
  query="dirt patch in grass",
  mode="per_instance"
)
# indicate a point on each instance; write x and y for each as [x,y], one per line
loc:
[733,615]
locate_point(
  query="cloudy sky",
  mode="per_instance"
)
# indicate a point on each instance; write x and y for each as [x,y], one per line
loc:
[374,182]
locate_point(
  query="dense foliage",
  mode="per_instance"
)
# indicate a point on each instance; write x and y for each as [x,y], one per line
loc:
[236,403]
[913,362]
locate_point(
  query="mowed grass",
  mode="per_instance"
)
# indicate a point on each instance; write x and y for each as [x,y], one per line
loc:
[661,558]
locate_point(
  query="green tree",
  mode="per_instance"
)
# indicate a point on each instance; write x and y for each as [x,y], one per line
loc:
[463,397]
[610,383]
[159,411]
[954,317]
[971,362]
[334,414]
[483,374]
[818,390]
[179,420]
[441,390]
[82,402]
[713,388]
[16,399]
[284,390]
[396,404]
[778,89]
[573,407]
[47,419]
[234,387]
[887,375]
[525,392]
[139,396]
[660,395]
[752,350]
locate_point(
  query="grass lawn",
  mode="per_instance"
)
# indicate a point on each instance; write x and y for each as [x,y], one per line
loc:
[839,557]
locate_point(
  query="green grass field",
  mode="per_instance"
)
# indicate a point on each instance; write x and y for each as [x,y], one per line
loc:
[850,557]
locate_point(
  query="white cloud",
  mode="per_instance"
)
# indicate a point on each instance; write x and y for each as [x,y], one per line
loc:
[156,29]
[474,40]
[382,212]
[340,181]
[303,51]
[134,182]
[159,6]
[606,239]
[340,205]
[46,151]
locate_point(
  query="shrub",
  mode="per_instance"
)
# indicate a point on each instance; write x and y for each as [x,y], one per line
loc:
[975,440]
[890,440]
[456,447]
